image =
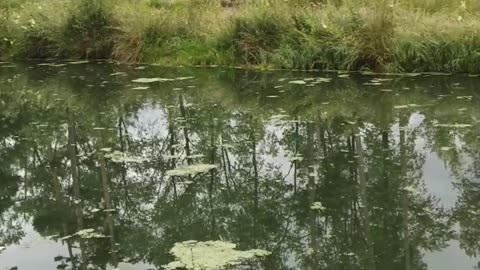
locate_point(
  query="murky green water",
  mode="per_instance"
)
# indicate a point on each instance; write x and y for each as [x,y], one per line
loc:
[100,169]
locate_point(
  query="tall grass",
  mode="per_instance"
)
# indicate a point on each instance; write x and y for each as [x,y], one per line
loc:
[89,29]
[380,35]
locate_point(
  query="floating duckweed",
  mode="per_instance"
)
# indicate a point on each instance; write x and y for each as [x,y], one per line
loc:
[118,74]
[453,125]
[85,234]
[278,117]
[295,158]
[196,156]
[317,206]
[77,62]
[140,88]
[52,65]
[321,79]
[151,80]
[191,169]
[410,189]
[381,80]
[228,146]
[464,97]
[297,82]
[210,255]
[413,74]
[437,73]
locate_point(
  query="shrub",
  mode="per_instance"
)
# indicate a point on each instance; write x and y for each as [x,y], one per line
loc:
[89,29]
[255,35]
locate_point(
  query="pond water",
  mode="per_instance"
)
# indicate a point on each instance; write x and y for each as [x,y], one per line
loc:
[106,166]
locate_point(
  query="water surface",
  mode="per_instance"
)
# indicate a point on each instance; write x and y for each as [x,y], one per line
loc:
[106,166]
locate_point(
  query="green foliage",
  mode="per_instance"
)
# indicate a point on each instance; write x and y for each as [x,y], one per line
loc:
[11,4]
[38,44]
[411,35]
[434,6]
[5,38]
[89,29]
[373,38]
[257,34]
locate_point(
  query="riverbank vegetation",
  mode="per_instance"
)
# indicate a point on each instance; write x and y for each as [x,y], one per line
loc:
[378,35]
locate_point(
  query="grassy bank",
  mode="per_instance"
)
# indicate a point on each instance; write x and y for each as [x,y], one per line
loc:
[379,35]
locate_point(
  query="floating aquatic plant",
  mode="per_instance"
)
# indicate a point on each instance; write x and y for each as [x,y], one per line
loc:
[410,189]
[453,125]
[151,80]
[191,169]
[85,234]
[297,82]
[317,206]
[295,158]
[210,255]
[140,88]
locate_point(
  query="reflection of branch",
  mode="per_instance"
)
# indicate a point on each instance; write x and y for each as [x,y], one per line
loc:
[37,154]
[363,197]
[295,165]
[288,173]
[127,137]
[224,167]
[405,203]
[183,112]
[123,165]
[229,166]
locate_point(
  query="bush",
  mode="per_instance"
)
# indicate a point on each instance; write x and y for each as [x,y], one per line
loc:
[256,35]
[413,35]
[90,28]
